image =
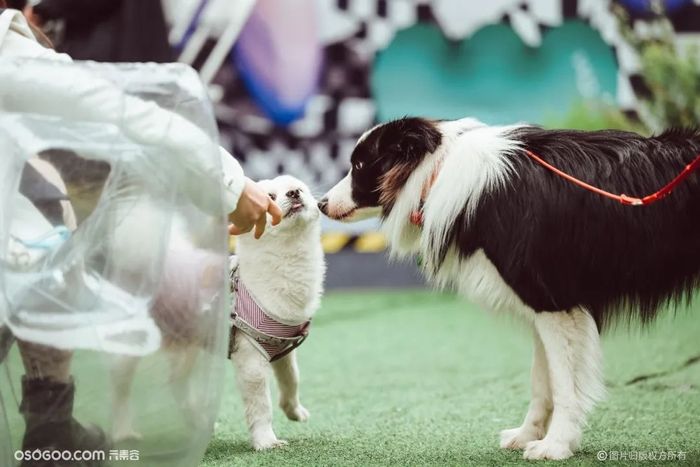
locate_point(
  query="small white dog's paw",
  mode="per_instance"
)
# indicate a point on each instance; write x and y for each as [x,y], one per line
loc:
[517,438]
[268,442]
[547,449]
[126,434]
[298,412]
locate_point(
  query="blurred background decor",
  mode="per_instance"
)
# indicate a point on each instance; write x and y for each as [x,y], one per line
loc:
[103,30]
[278,58]
[500,62]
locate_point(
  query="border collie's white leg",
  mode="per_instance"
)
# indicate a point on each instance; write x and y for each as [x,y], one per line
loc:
[252,371]
[287,374]
[123,369]
[558,333]
[590,386]
[534,426]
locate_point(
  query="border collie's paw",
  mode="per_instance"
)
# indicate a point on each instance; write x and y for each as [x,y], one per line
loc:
[297,413]
[262,444]
[575,444]
[517,438]
[547,449]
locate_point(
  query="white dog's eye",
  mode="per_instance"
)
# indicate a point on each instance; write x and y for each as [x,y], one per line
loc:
[272,196]
[358,165]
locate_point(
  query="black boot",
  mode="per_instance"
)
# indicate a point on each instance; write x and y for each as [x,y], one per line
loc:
[47,407]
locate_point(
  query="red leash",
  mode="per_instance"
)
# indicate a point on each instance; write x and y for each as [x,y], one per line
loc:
[416,217]
[624,199]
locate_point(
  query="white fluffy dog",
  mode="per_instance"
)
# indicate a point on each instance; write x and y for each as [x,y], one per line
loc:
[280,277]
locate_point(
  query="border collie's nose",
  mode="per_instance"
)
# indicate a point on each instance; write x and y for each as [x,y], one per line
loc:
[294,194]
[323,205]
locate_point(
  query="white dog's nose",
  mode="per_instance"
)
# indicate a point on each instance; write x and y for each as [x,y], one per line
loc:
[294,194]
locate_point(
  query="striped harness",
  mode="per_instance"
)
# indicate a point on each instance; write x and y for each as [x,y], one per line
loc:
[271,337]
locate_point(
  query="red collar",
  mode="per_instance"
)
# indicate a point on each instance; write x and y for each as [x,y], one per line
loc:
[416,217]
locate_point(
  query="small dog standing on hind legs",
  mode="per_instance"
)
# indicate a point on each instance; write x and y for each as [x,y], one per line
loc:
[507,233]
[278,283]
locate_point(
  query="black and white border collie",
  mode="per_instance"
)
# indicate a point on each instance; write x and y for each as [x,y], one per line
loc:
[513,236]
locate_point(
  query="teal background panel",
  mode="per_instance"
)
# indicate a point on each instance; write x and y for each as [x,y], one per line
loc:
[492,75]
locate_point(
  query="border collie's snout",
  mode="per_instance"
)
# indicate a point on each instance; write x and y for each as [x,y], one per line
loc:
[323,205]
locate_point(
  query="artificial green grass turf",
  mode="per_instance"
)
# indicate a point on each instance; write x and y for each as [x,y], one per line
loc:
[415,378]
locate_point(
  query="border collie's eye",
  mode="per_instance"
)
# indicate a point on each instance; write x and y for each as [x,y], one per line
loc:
[272,196]
[358,165]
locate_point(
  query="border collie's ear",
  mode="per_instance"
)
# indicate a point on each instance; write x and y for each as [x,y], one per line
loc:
[413,138]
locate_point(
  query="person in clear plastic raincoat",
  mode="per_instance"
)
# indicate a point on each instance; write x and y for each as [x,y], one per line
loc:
[94,283]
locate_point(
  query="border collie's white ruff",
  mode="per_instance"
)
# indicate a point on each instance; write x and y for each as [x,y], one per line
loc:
[284,271]
[514,237]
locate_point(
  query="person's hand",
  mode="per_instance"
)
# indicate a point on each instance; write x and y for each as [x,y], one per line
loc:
[32,17]
[251,211]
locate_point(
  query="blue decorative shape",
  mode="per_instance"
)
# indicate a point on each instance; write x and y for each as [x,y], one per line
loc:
[645,6]
[266,97]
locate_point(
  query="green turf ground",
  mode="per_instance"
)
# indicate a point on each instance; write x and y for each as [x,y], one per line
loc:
[413,378]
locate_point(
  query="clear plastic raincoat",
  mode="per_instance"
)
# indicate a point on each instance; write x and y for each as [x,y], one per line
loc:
[137,281]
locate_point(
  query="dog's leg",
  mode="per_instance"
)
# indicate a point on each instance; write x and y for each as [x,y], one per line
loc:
[534,426]
[252,371]
[568,344]
[588,372]
[287,374]
[123,369]
[182,362]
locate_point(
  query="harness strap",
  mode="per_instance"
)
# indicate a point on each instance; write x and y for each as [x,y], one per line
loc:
[287,344]
[272,347]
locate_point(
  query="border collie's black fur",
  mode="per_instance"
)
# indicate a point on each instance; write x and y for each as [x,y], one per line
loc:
[558,245]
